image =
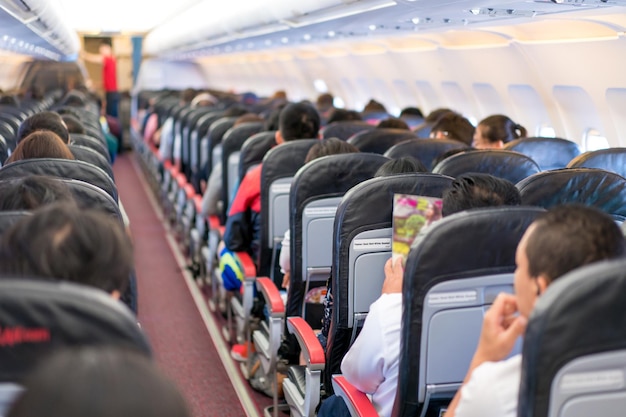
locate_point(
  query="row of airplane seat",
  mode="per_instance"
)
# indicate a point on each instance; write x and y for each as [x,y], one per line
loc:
[59,198]
[331,206]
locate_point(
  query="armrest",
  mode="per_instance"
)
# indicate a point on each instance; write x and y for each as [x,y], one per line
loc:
[214,222]
[249,269]
[197,201]
[358,403]
[311,348]
[271,295]
[189,190]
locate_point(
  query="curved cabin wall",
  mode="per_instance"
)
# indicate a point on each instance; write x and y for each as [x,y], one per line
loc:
[563,74]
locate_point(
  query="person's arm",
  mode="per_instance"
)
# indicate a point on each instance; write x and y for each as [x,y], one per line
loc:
[90,57]
[500,330]
[364,364]
[238,233]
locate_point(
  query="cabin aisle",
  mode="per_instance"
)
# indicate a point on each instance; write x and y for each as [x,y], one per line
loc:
[182,346]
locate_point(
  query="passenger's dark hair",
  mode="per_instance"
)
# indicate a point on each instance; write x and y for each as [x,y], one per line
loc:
[73,124]
[32,192]
[41,144]
[393,123]
[98,381]
[247,118]
[570,236]
[235,111]
[436,114]
[340,115]
[65,243]
[324,102]
[500,128]
[10,100]
[271,123]
[74,99]
[402,165]
[411,112]
[299,121]
[329,146]
[476,190]
[374,106]
[456,127]
[187,95]
[45,120]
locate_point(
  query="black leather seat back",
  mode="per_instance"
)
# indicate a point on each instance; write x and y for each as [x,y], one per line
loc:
[380,140]
[508,165]
[548,153]
[362,230]
[346,129]
[280,165]
[254,149]
[424,150]
[85,154]
[476,246]
[322,179]
[92,143]
[61,168]
[574,349]
[612,159]
[39,317]
[593,187]
[232,142]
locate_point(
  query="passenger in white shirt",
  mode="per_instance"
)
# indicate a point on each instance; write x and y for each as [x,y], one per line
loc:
[563,239]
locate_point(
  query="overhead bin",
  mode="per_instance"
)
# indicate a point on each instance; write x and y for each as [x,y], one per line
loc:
[248,25]
[36,28]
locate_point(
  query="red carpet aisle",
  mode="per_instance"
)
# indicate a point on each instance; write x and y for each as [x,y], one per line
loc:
[181,342]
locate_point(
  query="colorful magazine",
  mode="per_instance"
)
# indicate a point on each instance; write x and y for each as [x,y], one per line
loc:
[410,214]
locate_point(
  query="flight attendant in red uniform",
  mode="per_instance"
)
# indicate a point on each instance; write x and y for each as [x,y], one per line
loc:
[109,76]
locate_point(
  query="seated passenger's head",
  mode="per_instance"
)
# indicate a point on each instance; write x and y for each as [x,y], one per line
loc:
[104,382]
[330,146]
[393,123]
[45,120]
[398,166]
[297,121]
[411,113]
[453,126]
[561,240]
[374,106]
[73,124]
[324,102]
[32,192]
[65,243]
[41,144]
[494,131]
[476,190]
[340,115]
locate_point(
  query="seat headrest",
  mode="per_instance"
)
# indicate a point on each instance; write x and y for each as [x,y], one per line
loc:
[62,168]
[508,165]
[380,140]
[548,153]
[254,149]
[38,317]
[593,187]
[424,150]
[612,159]
[581,313]
[346,129]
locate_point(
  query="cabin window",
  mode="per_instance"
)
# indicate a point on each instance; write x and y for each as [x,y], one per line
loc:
[320,86]
[593,140]
[544,130]
[339,103]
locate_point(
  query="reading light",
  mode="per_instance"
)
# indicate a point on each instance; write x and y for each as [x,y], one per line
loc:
[372,27]
[306,37]
[331,33]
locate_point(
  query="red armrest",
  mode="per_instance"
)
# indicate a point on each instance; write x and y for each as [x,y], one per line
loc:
[181,179]
[197,200]
[190,191]
[214,222]
[249,268]
[356,400]
[271,294]
[311,347]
